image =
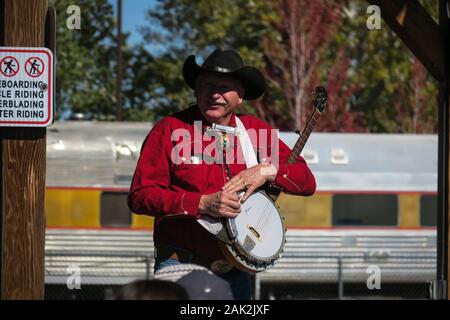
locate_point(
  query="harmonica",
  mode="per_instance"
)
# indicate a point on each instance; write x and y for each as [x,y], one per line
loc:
[221,128]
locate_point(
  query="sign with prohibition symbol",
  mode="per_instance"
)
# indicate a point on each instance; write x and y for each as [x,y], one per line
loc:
[9,66]
[34,67]
[26,87]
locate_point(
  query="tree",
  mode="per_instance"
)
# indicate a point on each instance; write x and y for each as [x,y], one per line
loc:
[383,68]
[298,45]
[138,87]
[86,59]
[276,36]
[415,108]
[177,28]
[295,62]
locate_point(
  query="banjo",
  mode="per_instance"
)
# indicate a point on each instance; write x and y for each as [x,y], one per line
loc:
[254,240]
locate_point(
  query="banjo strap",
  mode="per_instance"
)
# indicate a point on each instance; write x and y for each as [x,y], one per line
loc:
[246,145]
[214,226]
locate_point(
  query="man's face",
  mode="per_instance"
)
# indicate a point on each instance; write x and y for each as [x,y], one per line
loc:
[218,96]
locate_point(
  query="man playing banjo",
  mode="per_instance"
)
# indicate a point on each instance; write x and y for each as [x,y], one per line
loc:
[202,164]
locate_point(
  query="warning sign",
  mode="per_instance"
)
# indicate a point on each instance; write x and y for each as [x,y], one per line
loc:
[10,66]
[26,87]
[34,67]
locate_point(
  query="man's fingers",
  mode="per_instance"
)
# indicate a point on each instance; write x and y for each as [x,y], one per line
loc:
[231,182]
[229,214]
[247,194]
[235,190]
[226,214]
[230,186]
[230,196]
[235,181]
[233,205]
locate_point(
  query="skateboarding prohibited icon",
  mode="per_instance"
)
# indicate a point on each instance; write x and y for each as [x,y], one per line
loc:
[34,67]
[9,66]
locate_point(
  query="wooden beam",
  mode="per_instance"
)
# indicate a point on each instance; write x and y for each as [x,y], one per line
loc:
[421,34]
[444,24]
[440,285]
[447,234]
[23,156]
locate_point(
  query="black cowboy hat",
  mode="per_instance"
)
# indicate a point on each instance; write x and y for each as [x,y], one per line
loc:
[227,62]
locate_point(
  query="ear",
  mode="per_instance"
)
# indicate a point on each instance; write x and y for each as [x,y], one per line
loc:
[241,93]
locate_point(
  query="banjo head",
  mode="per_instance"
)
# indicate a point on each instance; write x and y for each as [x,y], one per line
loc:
[258,232]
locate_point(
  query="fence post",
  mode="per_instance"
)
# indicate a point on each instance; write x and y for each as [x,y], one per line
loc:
[257,287]
[340,280]
[148,260]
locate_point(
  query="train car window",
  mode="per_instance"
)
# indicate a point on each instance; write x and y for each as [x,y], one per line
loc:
[114,210]
[365,210]
[428,210]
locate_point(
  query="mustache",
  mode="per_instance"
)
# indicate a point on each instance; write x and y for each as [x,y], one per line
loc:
[216,103]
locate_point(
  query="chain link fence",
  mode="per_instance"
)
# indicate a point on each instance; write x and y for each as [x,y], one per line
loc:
[94,265]
[350,277]
[93,276]
[99,276]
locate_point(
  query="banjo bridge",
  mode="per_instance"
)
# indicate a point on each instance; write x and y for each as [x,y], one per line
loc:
[255,233]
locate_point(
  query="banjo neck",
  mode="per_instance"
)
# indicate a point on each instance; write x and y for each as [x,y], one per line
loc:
[319,102]
[304,136]
[298,148]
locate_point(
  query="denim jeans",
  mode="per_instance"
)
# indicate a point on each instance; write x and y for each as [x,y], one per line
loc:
[239,281]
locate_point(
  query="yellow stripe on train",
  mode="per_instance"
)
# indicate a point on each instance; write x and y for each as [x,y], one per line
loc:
[90,208]
[96,208]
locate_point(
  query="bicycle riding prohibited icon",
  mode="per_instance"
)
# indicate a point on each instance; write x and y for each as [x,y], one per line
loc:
[9,66]
[26,87]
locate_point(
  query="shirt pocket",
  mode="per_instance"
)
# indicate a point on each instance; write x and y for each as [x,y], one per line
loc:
[191,177]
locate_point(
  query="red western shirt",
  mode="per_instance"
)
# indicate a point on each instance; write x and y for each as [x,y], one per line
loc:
[168,183]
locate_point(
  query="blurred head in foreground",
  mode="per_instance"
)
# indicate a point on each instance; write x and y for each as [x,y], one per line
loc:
[152,290]
[199,282]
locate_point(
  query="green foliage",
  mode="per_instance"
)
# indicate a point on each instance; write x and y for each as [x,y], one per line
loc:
[381,66]
[85,58]
[391,89]
[383,70]
[179,28]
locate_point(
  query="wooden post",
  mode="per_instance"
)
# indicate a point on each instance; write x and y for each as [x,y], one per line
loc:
[448,197]
[444,24]
[119,61]
[23,156]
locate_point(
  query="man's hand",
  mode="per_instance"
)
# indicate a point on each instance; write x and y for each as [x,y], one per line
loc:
[251,179]
[220,204]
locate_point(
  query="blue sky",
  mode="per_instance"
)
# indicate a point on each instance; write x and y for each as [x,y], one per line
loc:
[133,16]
